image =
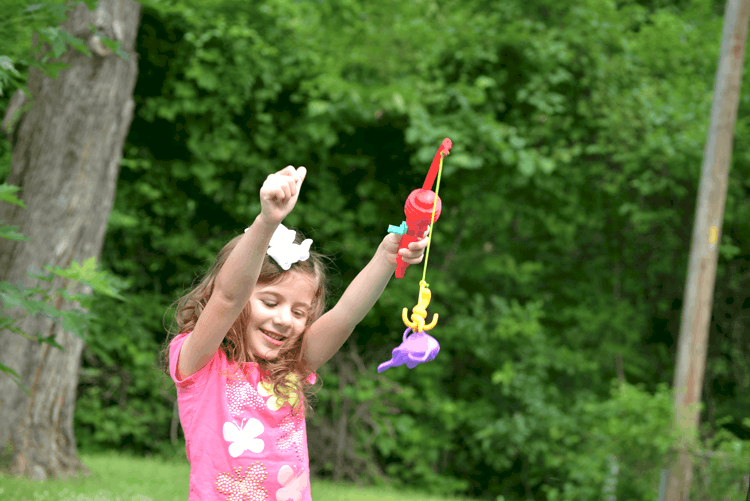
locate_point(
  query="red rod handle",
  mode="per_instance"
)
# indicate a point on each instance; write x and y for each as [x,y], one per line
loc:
[418,210]
[418,207]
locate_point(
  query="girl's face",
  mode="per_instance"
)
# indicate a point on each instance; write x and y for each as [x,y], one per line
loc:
[279,311]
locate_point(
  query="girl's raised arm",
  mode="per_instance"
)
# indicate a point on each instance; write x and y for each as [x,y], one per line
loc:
[327,334]
[237,278]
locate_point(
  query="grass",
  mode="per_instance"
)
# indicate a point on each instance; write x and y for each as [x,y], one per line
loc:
[116,477]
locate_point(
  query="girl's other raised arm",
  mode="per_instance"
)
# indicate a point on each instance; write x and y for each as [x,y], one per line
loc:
[327,334]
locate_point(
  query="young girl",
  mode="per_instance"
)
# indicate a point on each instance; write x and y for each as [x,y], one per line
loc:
[250,337]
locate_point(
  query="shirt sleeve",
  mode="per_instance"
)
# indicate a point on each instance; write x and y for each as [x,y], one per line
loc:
[174,355]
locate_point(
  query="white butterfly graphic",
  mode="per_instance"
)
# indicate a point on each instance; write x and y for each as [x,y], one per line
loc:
[244,438]
[293,486]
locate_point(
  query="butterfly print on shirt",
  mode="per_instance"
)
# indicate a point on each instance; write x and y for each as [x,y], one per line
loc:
[293,485]
[244,487]
[244,437]
[293,435]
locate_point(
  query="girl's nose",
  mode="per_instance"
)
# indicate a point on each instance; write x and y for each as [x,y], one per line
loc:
[284,317]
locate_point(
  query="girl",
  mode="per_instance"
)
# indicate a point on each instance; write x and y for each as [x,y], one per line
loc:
[250,337]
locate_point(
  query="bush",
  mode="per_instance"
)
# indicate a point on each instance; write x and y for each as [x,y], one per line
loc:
[124,399]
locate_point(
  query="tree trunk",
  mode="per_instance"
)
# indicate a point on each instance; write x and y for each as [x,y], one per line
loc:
[704,248]
[66,159]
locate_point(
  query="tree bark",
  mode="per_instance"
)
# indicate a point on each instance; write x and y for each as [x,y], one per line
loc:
[66,159]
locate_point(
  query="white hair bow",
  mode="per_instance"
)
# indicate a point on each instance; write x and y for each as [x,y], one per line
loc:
[284,251]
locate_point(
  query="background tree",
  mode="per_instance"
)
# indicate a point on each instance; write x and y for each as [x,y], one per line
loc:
[67,146]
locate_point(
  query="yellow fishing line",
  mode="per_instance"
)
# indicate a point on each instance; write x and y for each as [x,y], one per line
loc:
[432,219]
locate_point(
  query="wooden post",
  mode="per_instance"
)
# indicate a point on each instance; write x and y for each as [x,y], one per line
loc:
[699,290]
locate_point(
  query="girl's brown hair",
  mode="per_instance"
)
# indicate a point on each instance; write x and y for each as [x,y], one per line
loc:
[288,372]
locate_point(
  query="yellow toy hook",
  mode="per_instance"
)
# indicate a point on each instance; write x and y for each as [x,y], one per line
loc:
[419,312]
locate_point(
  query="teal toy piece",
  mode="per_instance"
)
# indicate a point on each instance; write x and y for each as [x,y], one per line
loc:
[398,230]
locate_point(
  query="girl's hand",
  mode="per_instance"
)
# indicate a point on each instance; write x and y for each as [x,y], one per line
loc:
[413,255]
[279,193]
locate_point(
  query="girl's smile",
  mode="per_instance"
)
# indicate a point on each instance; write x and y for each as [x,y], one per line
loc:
[279,311]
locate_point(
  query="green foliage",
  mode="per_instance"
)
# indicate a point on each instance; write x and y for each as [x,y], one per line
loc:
[38,300]
[31,36]
[87,275]
[124,400]
[9,76]
[18,21]
[41,300]
[720,465]
[46,300]
[6,195]
[631,433]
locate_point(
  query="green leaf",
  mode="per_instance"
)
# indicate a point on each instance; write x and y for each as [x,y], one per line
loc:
[11,300]
[87,274]
[58,46]
[115,46]
[547,165]
[37,274]
[317,107]
[14,375]
[9,76]
[11,233]
[6,322]
[76,43]
[6,194]
[119,220]
[526,164]
[6,64]
[52,70]
[50,340]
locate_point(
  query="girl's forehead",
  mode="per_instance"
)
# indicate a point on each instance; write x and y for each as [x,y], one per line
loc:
[292,284]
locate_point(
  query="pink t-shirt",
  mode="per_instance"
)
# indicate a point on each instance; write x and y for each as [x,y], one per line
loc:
[242,446]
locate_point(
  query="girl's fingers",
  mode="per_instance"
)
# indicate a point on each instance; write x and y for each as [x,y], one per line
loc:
[280,186]
[296,175]
[412,260]
[301,173]
[420,245]
[277,191]
[411,253]
[286,189]
[276,194]
[293,186]
[289,170]
[288,180]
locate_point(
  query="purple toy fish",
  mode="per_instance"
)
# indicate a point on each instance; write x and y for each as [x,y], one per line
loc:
[415,349]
